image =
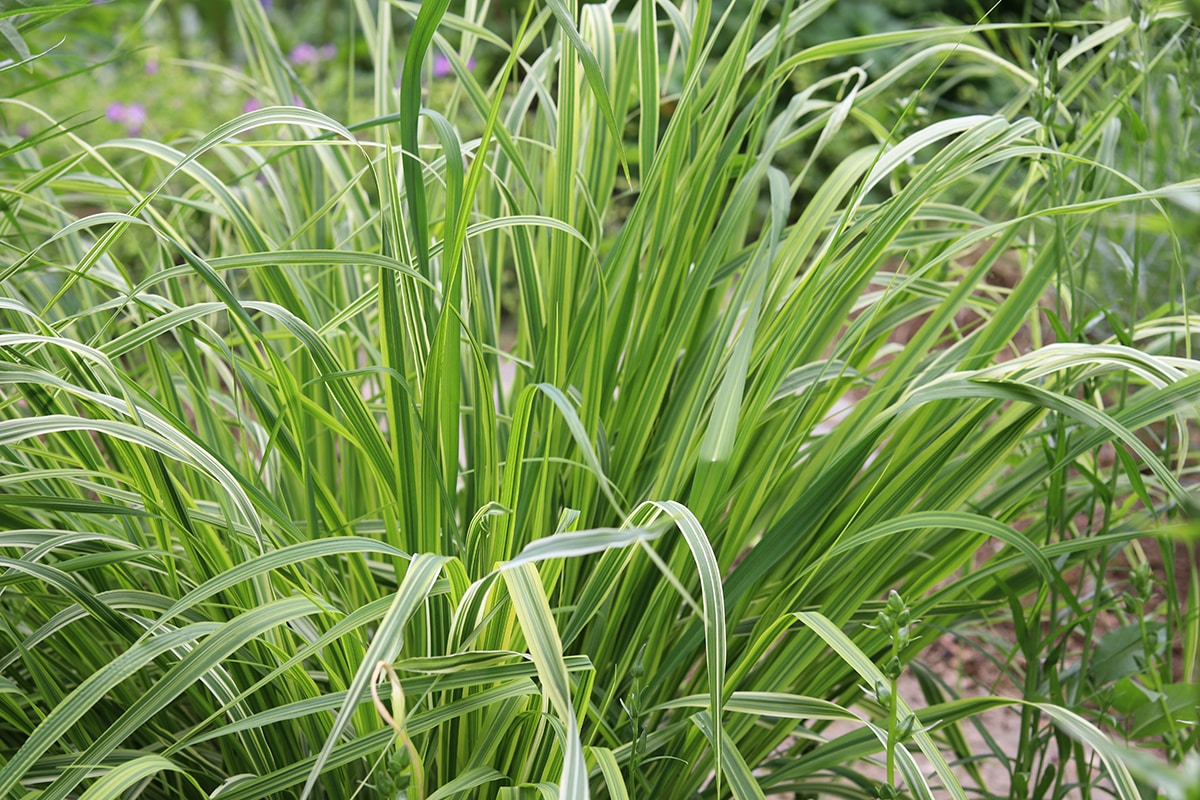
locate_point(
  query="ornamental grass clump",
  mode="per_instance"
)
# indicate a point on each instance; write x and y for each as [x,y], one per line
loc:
[294,505]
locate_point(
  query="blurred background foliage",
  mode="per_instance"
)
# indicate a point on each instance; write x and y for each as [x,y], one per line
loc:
[170,54]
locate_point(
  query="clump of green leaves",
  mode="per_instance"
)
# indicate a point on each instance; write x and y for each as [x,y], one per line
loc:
[269,434]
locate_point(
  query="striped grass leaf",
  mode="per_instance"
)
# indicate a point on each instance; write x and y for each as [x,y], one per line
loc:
[771,704]
[273,561]
[610,769]
[385,646]
[469,780]
[52,728]
[873,676]
[114,782]
[533,610]
[201,661]
[737,772]
[591,66]
[169,444]
[511,681]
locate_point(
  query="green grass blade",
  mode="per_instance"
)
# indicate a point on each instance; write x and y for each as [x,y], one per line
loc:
[386,644]
[871,674]
[116,781]
[533,610]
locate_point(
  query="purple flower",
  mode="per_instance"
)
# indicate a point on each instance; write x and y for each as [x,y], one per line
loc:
[443,69]
[266,4]
[328,51]
[23,131]
[304,53]
[131,115]
[152,66]
[135,118]
[252,104]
